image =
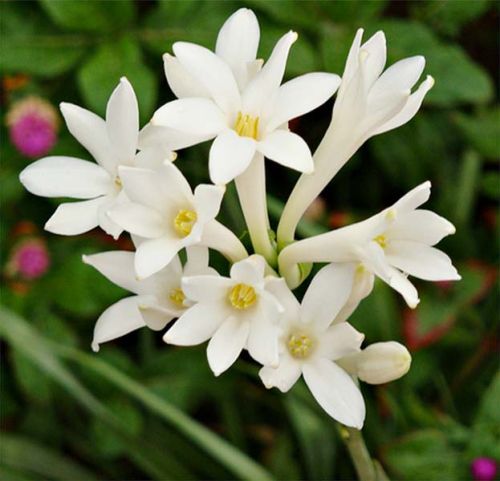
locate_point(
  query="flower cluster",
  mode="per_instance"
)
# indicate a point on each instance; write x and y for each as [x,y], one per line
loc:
[242,104]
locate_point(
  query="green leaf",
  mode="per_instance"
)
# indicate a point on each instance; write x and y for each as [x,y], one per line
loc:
[490,185]
[467,187]
[19,453]
[99,76]
[90,16]
[354,12]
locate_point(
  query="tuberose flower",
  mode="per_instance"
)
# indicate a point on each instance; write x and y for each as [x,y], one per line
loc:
[392,244]
[157,300]
[112,143]
[312,342]
[234,313]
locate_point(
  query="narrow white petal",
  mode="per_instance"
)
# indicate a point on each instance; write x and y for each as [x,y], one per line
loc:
[167,139]
[375,46]
[226,344]
[413,199]
[301,95]
[196,325]
[283,377]
[287,149]
[207,201]
[196,116]
[138,219]
[180,81]
[230,155]
[421,261]
[117,320]
[206,288]
[238,41]
[105,223]
[265,84]
[197,260]
[122,121]
[156,318]
[351,65]
[75,217]
[400,283]
[66,177]
[90,130]
[409,110]
[335,392]
[338,341]
[279,289]
[153,255]
[212,72]
[422,226]
[249,271]
[262,341]
[327,294]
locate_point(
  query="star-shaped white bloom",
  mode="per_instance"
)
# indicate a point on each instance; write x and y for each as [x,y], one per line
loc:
[312,342]
[112,143]
[392,244]
[157,300]
[247,121]
[234,313]
[163,211]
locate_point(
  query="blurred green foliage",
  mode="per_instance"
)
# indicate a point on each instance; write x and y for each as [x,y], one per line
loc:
[140,409]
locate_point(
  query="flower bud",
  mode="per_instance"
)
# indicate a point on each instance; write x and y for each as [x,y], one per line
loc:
[484,469]
[382,362]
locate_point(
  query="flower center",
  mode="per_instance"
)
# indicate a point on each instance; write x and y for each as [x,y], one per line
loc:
[247,126]
[300,345]
[118,181]
[177,296]
[184,221]
[381,240]
[242,296]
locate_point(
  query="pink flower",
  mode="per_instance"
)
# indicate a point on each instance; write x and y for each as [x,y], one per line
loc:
[30,259]
[33,124]
[484,469]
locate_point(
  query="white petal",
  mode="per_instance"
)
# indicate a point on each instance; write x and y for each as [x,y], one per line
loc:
[105,223]
[206,288]
[90,130]
[212,72]
[196,325]
[327,294]
[116,321]
[196,116]
[197,260]
[153,157]
[66,177]
[180,81]
[338,341]
[75,217]
[238,41]
[301,95]
[226,344]
[207,201]
[377,51]
[156,318]
[262,341]
[420,226]
[335,392]
[421,261]
[138,219]
[153,255]
[122,121]
[401,284]
[249,271]
[279,289]
[415,198]
[283,377]
[287,149]
[351,65]
[154,136]
[410,108]
[265,84]
[230,155]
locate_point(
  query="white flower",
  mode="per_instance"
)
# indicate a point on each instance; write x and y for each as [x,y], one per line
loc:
[163,210]
[157,300]
[249,120]
[379,363]
[234,313]
[112,143]
[312,342]
[392,244]
[369,101]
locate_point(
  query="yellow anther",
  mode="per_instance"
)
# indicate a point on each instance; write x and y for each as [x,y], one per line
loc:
[184,221]
[177,296]
[118,181]
[360,269]
[242,296]
[381,240]
[391,215]
[247,126]
[300,345]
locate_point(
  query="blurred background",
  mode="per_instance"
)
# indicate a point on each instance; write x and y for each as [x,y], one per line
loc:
[142,410]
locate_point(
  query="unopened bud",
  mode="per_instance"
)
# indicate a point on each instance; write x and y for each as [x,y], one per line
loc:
[382,362]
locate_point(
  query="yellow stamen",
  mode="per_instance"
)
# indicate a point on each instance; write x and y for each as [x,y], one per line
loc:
[184,221]
[118,181]
[300,345]
[381,240]
[177,296]
[247,126]
[242,296]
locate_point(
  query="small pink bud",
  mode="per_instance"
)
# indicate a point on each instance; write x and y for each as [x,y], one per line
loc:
[484,469]
[30,259]
[33,124]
